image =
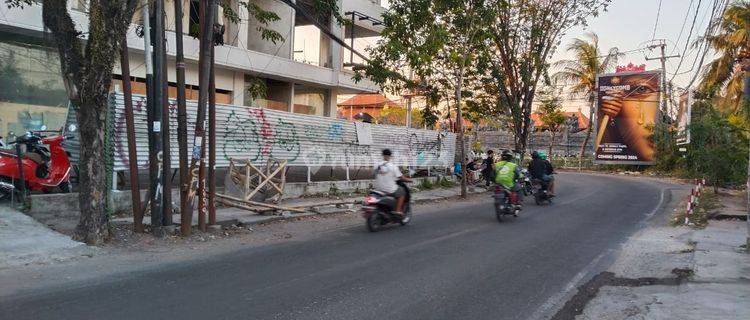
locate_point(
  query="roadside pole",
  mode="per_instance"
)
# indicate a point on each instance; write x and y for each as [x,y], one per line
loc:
[156,124]
[166,166]
[198,150]
[135,187]
[153,135]
[212,140]
[745,65]
[181,121]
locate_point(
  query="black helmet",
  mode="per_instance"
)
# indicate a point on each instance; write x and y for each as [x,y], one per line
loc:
[506,155]
[386,152]
[535,155]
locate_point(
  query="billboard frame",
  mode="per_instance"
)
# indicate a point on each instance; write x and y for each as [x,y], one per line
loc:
[658,119]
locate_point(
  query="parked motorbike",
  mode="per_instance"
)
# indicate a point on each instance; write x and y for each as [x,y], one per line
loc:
[504,206]
[378,209]
[541,195]
[46,165]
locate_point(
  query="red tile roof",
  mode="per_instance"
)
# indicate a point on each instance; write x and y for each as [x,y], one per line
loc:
[367,99]
[583,120]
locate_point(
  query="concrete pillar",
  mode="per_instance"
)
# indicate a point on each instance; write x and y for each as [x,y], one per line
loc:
[238,89]
[291,97]
[242,29]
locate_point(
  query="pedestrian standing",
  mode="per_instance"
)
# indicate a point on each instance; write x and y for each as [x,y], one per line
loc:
[488,168]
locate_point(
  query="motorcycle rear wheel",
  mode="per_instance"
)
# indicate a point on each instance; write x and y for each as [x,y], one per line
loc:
[374,222]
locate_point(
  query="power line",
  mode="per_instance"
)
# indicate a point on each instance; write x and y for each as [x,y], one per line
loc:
[687,42]
[684,22]
[709,31]
[656,24]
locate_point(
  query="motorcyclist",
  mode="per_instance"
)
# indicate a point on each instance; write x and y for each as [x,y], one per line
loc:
[541,169]
[386,176]
[507,175]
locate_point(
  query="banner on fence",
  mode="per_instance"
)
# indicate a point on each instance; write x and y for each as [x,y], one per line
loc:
[303,140]
[627,106]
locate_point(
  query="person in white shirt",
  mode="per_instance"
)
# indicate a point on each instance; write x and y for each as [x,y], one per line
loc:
[386,175]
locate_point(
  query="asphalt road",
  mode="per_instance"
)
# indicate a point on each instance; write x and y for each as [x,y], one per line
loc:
[454,262]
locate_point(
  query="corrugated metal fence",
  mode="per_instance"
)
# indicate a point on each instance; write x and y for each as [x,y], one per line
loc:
[307,141]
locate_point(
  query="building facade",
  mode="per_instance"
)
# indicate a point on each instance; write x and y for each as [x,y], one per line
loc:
[304,73]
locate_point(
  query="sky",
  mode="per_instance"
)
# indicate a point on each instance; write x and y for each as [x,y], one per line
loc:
[629,25]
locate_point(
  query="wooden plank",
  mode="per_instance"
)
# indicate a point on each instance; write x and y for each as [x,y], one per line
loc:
[261,204]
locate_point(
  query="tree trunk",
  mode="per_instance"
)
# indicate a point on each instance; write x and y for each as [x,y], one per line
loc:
[91,114]
[460,129]
[588,135]
[88,79]
[551,143]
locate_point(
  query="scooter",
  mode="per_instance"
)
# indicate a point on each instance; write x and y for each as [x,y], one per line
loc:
[504,200]
[378,209]
[46,165]
[541,195]
[528,189]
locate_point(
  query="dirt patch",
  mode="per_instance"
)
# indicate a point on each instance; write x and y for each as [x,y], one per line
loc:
[590,289]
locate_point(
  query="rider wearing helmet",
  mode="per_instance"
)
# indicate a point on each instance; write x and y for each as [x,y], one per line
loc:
[541,169]
[507,174]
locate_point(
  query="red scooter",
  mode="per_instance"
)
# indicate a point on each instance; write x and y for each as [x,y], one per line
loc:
[46,165]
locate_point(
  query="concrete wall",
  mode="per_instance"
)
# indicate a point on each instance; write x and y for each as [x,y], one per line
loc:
[284,26]
[66,204]
[498,140]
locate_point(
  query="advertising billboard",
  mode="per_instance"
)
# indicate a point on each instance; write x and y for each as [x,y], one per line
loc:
[684,112]
[627,108]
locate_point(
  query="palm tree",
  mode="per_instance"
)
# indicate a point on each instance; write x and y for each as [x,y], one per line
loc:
[581,73]
[722,77]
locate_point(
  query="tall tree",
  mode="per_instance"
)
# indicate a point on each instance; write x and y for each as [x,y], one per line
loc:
[438,40]
[723,76]
[86,62]
[524,35]
[551,113]
[581,72]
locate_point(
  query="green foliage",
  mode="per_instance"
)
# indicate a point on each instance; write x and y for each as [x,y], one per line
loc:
[445,183]
[426,184]
[395,115]
[476,146]
[718,150]
[256,87]
[722,78]
[550,109]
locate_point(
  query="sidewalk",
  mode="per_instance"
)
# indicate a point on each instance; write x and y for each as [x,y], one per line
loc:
[226,216]
[25,241]
[676,273]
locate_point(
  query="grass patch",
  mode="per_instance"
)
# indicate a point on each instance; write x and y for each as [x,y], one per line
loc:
[426,184]
[446,183]
[708,203]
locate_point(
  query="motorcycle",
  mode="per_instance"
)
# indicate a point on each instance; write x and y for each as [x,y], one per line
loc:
[504,206]
[378,209]
[527,187]
[46,165]
[541,195]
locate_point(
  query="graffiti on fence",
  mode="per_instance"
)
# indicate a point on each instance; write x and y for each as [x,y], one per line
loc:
[262,134]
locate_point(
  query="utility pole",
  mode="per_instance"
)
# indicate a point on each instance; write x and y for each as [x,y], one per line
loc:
[166,176]
[745,65]
[154,127]
[663,58]
[156,155]
[198,151]
[181,121]
[135,187]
